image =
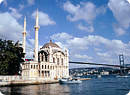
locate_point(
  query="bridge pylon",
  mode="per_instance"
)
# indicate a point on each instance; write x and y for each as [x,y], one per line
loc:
[122,65]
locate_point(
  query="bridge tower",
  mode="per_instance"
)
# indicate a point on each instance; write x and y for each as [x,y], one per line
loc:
[122,65]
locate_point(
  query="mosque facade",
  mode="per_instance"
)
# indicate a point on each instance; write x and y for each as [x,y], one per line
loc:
[50,62]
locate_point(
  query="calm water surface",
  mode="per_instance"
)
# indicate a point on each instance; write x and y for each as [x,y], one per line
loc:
[96,86]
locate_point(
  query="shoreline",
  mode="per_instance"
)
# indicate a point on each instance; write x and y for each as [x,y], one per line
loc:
[23,83]
[30,82]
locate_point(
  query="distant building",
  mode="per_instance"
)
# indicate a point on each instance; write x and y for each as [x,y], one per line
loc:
[51,62]
[104,73]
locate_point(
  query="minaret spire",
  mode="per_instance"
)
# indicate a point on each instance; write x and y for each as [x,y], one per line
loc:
[36,38]
[37,18]
[24,35]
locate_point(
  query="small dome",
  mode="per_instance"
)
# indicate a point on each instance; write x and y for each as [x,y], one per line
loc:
[50,44]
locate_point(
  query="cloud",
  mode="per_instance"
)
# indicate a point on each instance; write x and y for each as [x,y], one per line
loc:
[119,30]
[84,28]
[44,19]
[121,11]
[31,2]
[86,11]
[15,13]
[93,48]
[1,1]
[62,36]
[128,1]
[9,27]
[32,41]
[85,57]
[4,2]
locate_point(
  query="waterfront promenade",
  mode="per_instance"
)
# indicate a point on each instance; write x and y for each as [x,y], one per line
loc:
[19,80]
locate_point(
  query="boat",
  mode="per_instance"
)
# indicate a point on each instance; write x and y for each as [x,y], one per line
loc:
[128,93]
[99,76]
[69,80]
[1,93]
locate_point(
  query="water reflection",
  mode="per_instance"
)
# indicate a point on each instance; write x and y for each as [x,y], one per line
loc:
[44,89]
[102,86]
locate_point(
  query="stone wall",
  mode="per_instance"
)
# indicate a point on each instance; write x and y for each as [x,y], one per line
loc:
[10,78]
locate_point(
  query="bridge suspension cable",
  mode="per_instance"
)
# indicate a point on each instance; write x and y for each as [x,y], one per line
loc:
[96,64]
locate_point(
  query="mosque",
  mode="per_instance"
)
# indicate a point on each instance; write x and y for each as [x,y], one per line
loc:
[50,63]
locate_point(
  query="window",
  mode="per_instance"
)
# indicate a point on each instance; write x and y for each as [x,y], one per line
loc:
[53,60]
[45,66]
[58,61]
[34,66]
[31,66]
[46,59]
[42,66]
[42,57]
[62,61]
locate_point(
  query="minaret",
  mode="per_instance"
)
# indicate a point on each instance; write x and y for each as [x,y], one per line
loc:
[36,38]
[24,35]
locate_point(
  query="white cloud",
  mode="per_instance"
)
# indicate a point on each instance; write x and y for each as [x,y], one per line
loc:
[9,27]
[4,2]
[128,1]
[86,57]
[85,28]
[121,11]
[44,19]
[86,11]
[32,41]
[1,1]
[105,54]
[61,36]
[119,30]
[31,2]
[15,13]
[94,48]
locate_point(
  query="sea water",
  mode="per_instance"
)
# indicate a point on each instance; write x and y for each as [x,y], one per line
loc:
[96,86]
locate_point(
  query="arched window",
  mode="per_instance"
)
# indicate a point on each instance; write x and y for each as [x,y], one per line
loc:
[53,60]
[58,61]
[62,61]
[42,66]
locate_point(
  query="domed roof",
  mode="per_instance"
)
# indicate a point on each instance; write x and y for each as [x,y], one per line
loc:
[50,44]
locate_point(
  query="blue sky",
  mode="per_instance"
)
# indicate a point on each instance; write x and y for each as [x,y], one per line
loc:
[93,30]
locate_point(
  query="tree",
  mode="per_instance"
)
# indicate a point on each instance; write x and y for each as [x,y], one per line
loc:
[11,56]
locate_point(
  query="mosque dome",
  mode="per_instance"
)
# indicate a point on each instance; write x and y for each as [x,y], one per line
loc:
[47,45]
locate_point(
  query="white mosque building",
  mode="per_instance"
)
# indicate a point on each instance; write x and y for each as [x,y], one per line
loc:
[50,63]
